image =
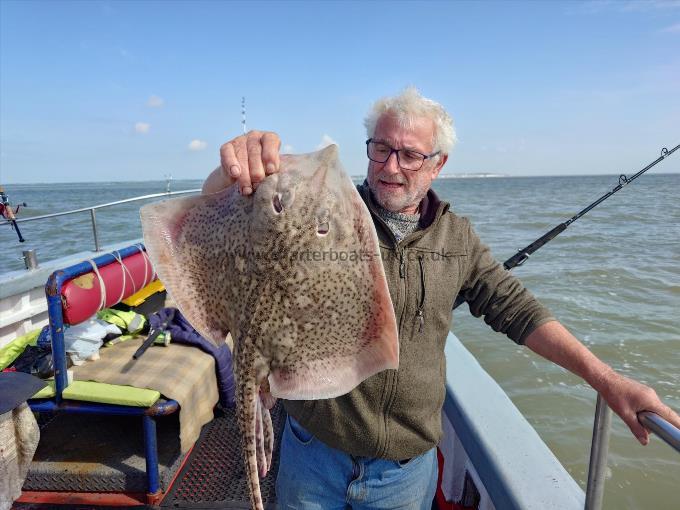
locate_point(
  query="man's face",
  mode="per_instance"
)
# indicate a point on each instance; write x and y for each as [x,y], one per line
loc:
[395,189]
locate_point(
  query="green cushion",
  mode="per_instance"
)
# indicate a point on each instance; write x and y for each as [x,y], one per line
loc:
[47,392]
[11,351]
[90,391]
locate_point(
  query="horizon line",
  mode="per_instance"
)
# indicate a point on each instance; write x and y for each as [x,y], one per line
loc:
[471,175]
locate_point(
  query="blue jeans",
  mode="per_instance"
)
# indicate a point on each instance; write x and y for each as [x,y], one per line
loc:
[314,476]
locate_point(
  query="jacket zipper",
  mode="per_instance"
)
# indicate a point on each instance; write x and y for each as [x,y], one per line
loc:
[391,384]
[421,305]
[391,376]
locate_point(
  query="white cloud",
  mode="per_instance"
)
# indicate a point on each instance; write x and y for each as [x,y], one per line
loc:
[288,149]
[155,102]
[325,142]
[673,29]
[106,8]
[197,145]
[142,127]
[649,5]
[623,6]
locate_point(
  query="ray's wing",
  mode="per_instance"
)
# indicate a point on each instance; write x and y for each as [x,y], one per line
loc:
[186,239]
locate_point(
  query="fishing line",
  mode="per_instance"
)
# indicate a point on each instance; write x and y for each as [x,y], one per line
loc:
[522,255]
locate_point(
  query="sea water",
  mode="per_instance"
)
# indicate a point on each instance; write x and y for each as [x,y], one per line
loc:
[612,278]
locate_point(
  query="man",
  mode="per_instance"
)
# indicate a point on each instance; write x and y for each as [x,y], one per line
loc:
[375,446]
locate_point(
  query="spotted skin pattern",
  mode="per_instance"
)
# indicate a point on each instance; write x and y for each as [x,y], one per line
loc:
[294,273]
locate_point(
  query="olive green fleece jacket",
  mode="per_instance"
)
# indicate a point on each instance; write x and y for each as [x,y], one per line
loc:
[396,414]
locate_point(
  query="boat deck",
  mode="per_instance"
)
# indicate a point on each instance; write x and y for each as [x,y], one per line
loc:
[214,475]
[105,454]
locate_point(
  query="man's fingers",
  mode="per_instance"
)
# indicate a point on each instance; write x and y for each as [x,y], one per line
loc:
[255,174]
[655,405]
[230,163]
[271,144]
[671,416]
[638,430]
[628,397]
[667,414]
[246,159]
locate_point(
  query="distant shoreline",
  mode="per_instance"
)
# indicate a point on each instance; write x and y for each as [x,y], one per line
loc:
[353,177]
[473,176]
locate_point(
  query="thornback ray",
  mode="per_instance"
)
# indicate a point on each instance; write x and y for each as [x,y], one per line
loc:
[294,273]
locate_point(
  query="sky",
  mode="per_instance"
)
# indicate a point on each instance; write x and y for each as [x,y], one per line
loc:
[116,90]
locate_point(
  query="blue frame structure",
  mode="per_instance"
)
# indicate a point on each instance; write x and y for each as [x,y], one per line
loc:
[53,290]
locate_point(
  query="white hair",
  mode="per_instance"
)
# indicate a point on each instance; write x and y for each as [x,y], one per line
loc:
[410,105]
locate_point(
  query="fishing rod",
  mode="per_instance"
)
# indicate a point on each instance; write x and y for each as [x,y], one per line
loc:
[7,213]
[522,255]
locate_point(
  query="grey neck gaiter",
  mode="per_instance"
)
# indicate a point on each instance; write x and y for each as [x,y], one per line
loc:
[400,224]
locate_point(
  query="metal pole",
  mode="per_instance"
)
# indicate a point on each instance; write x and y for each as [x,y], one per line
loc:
[30,259]
[94,229]
[597,470]
[56,315]
[243,114]
[151,455]
[661,428]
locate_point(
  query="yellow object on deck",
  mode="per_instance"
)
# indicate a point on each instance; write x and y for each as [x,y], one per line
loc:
[10,352]
[140,296]
[91,391]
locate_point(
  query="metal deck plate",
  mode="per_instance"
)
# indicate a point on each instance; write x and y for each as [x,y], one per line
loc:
[89,453]
[214,475]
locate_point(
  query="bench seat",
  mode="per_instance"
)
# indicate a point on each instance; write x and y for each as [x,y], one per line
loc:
[103,393]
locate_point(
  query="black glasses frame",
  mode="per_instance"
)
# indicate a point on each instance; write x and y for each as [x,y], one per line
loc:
[397,151]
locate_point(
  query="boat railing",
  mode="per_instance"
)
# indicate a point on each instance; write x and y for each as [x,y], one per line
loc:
[597,469]
[666,431]
[92,210]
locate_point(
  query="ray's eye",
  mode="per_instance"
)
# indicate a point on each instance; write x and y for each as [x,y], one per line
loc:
[323,228]
[276,203]
[323,222]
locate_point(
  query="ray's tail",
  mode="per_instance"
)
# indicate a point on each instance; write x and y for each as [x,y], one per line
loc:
[247,417]
[256,428]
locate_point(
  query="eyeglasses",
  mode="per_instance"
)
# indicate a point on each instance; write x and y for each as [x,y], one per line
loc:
[406,158]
